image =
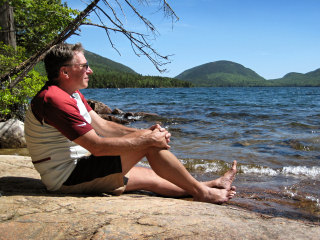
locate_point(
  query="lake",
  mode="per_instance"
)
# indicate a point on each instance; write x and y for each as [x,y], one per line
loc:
[273,133]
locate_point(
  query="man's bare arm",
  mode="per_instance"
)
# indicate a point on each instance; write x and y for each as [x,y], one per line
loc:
[111,146]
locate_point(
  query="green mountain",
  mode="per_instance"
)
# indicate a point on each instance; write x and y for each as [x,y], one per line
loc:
[222,74]
[310,79]
[102,64]
[110,74]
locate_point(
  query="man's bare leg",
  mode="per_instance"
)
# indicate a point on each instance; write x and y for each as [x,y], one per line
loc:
[142,178]
[168,167]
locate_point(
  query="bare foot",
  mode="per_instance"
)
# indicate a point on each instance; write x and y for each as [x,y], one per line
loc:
[215,195]
[224,182]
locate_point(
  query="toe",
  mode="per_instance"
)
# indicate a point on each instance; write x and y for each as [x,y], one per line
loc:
[234,164]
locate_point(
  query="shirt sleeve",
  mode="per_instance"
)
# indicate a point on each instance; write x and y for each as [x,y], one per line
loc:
[63,114]
[85,102]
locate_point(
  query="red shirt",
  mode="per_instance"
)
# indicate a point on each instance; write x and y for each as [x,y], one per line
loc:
[58,109]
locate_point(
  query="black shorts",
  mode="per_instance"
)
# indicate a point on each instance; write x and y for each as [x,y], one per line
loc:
[91,167]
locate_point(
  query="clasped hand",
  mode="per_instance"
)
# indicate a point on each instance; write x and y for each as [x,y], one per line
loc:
[157,128]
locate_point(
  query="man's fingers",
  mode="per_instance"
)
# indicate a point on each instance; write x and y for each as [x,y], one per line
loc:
[156,126]
[168,135]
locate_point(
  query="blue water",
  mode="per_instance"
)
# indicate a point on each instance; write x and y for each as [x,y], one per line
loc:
[273,133]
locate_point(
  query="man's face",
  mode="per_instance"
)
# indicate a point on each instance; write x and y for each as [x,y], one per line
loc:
[78,72]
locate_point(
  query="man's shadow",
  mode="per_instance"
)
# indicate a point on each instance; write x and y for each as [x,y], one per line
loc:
[10,186]
[14,186]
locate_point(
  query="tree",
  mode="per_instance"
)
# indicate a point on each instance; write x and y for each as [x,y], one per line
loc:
[140,42]
[14,101]
[7,32]
[35,25]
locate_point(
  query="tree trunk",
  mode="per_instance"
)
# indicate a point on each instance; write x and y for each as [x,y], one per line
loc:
[7,32]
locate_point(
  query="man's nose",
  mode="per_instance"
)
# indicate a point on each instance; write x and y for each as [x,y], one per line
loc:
[89,70]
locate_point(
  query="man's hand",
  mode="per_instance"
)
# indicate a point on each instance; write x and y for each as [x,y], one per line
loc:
[161,129]
[158,139]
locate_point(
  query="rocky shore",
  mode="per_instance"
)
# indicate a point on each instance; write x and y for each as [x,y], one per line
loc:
[28,211]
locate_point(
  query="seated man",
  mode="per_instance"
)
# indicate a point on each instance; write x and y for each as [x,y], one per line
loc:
[76,151]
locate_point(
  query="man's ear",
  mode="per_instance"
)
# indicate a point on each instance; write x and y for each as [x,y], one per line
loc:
[63,72]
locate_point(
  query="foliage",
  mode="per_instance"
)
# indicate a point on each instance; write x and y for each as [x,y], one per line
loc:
[13,101]
[37,22]
[10,57]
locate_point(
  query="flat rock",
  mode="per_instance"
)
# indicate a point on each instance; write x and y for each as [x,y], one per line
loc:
[28,211]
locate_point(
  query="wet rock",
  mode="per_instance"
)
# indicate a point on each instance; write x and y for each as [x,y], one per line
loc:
[99,107]
[113,119]
[145,114]
[142,115]
[117,111]
[12,134]
[128,114]
[27,211]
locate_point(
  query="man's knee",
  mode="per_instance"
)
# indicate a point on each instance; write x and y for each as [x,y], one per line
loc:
[156,151]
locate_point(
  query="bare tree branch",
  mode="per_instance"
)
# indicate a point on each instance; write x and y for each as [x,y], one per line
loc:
[169,11]
[146,21]
[106,29]
[139,42]
[113,11]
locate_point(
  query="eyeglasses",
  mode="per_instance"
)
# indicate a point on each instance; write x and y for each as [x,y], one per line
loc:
[83,65]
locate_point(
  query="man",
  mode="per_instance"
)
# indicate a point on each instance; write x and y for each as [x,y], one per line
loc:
[76,151]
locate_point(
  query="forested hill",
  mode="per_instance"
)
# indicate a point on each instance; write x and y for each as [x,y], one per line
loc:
[221,74]
[110,74]
[310,79]
[231,74]
[102,64]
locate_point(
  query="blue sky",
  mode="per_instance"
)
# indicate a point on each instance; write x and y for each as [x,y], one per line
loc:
[271,37]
